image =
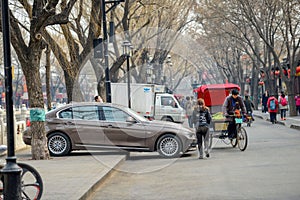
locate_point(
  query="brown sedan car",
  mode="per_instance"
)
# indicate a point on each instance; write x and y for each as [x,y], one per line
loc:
[80,126]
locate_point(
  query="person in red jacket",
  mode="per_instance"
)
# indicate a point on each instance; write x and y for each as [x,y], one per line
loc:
[297,99]
[272,108]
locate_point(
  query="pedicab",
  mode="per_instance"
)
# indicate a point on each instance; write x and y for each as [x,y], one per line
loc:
[214,96]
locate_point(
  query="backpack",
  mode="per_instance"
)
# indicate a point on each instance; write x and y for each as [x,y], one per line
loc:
[272,105]
[283,101]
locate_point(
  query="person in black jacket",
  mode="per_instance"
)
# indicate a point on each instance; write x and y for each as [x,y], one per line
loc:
[202,119]
[249,106]
[231,108]
[264,101]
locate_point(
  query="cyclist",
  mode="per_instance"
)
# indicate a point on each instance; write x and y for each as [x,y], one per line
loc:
[232,107]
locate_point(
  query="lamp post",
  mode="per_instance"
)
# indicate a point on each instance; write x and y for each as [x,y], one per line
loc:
[11,171]
[169,67]
[106,63]
[127,47]
[149,71]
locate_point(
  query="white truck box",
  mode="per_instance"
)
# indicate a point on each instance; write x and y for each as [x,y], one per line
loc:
[149,100]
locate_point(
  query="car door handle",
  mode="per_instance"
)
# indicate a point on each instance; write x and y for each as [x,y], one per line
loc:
[107,126]
[69,123]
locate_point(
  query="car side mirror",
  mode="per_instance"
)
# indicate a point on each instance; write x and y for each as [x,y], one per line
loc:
[130,120]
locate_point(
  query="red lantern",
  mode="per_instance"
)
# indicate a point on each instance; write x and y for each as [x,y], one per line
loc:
[260,83]
[277,72]
[289,73]
[298,71]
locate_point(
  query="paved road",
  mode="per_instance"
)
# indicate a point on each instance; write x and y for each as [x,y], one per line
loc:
[268,169]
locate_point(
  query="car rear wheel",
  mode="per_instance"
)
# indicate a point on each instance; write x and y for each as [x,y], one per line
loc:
[58,144]
[169,146]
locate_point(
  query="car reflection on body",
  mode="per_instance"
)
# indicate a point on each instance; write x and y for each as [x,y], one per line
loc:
[81,126]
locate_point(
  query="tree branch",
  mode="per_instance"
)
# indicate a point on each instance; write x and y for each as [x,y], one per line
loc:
[61,18]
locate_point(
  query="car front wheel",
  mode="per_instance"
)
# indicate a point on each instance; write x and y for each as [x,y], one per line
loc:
[169,146]
[58,144]
[168,119]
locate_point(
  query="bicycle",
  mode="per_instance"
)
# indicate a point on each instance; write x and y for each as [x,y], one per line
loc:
[31,182]
[220,131]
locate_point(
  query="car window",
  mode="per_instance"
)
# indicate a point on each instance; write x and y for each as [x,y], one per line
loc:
[66,114]
[86,112]
[113,114]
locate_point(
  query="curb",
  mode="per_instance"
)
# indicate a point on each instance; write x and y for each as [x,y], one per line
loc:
[108,172]
[293,126]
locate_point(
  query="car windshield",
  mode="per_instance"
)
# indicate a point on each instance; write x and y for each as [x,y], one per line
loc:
[135,114]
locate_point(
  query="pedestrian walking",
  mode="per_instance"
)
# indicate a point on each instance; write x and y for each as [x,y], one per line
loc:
[249,106]
[272,108]
[189,111]
[202,119]
[297,99]
[264,101]
[283,105]
[183,102]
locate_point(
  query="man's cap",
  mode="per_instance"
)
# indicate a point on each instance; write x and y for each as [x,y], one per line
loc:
[234,92]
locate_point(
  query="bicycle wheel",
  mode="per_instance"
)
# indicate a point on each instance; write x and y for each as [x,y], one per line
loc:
[31,183]
[242,139]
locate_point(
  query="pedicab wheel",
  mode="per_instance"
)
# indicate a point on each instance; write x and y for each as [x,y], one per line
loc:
[242,139]
[210,140]
[233,142]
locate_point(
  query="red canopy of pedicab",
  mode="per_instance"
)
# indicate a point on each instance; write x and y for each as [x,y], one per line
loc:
[215,94]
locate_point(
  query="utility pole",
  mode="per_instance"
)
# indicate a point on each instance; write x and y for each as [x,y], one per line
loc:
[105,41]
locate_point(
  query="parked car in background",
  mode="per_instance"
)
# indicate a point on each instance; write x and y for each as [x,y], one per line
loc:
[93,125]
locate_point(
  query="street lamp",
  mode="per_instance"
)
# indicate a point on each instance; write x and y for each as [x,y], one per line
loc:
[170,65]
[127,47]
[149,72]
[11,171]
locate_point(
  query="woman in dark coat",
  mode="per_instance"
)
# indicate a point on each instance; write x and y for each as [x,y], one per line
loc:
[202,118]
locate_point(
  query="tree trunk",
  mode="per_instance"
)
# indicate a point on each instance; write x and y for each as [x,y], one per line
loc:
[39,140]
[73,88]
[291,97]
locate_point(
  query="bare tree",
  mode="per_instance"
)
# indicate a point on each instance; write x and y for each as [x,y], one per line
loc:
[29,47]
[265,30]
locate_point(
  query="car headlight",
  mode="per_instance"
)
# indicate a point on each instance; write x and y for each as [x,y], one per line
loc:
[190,135]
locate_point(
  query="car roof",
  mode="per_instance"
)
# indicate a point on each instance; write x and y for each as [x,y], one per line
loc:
[72,104]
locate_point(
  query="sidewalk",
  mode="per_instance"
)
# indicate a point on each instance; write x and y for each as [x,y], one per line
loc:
[291,122]
[75,176]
